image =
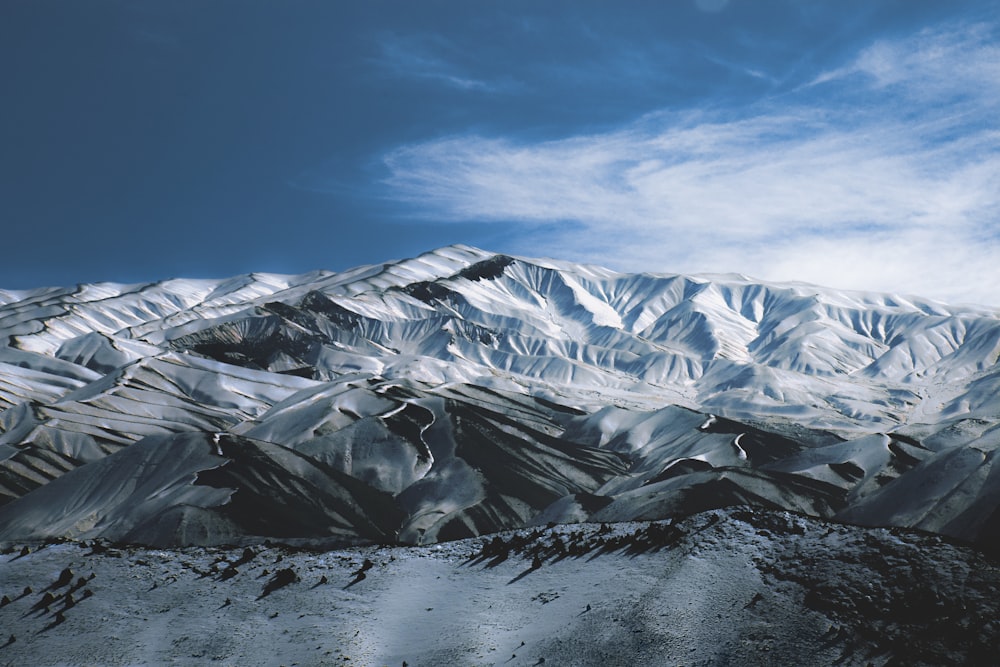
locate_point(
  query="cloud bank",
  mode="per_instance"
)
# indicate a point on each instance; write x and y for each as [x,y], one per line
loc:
[883,174]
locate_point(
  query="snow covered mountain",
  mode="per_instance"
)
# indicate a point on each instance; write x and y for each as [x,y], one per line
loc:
[463,392]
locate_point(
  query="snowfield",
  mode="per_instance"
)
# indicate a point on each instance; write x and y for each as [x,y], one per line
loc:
[398,412]
[724,587]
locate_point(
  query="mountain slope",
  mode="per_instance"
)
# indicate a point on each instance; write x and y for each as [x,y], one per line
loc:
[728,587]
[463,392]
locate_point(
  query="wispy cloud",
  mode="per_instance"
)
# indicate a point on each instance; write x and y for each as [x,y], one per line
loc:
[430,57]
[929,65]
[741,69]
[883,174]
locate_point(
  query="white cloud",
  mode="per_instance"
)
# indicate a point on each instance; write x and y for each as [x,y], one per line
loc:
[931,63]
[883,174]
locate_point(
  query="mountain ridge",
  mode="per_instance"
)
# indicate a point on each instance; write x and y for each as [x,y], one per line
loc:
[510,378]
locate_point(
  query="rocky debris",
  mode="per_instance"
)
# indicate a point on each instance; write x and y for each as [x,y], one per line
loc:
[65,577]
[281,578]
[879,596]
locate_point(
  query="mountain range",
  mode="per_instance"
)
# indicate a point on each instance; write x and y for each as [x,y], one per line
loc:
[464,392]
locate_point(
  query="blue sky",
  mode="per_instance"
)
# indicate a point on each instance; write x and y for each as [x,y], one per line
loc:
[852,143]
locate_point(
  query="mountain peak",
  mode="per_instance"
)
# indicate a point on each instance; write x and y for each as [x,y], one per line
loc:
[471,390]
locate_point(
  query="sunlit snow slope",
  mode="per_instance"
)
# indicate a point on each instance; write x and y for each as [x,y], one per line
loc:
[463,392]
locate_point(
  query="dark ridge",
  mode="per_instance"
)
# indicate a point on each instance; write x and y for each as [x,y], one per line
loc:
[591,503]
[491,515]
[852,472]
[731,487]
[320,304]
[909,440]
[428,292]
[559,407]
[319,501]
[526,464]
[306,372]
[499,403]
[409,424]
[761,446]
[797,432]
[38,461]
[291,314]
[477,333]
[903,460]
[250,343]
[488,269]
[681,467]
[823,494]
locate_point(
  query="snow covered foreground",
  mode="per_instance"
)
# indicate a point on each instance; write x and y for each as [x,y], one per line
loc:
[462,393]
[736,587]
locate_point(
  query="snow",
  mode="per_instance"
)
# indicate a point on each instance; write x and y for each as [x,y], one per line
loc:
[722,588]
[740,452]
[604,315]
[416,377]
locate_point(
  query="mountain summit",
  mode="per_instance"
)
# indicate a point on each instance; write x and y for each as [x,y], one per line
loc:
[463,392]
